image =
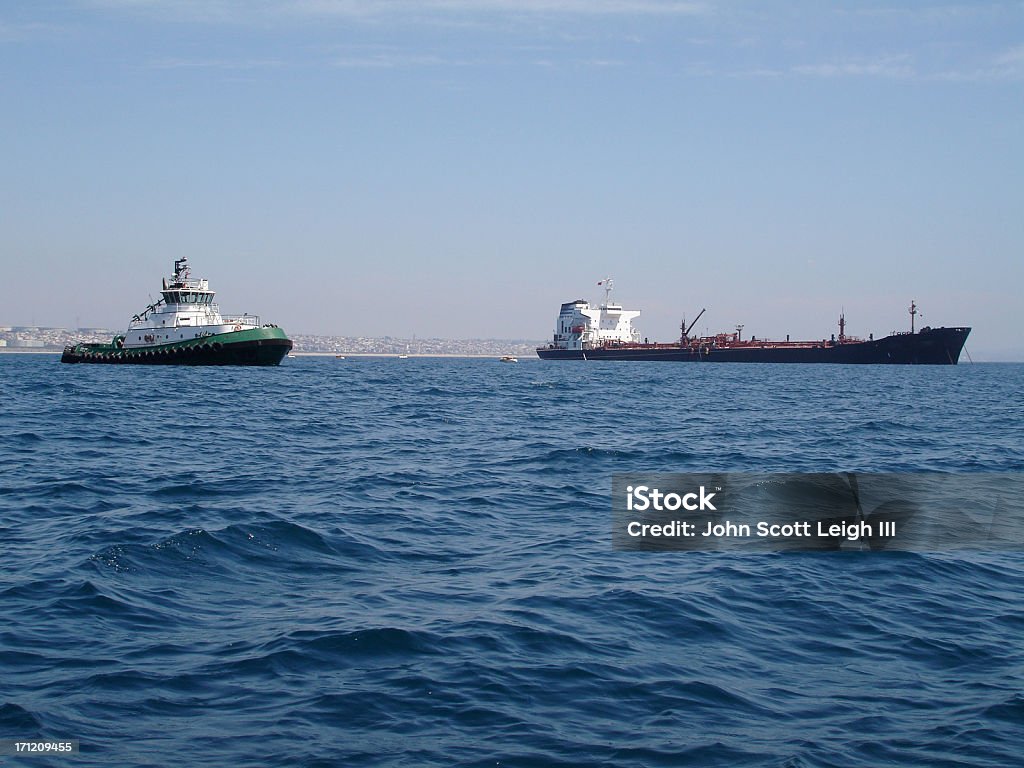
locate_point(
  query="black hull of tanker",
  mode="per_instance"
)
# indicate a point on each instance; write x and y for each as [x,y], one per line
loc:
[263,346]
[934,346]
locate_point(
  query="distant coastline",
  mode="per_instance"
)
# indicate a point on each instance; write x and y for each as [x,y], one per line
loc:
[41,339]
[51,340]
[412,355]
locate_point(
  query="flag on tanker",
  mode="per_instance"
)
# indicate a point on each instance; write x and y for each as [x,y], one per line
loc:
[600,282]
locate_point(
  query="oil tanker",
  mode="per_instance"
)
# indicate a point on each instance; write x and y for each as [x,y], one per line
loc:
[606,332]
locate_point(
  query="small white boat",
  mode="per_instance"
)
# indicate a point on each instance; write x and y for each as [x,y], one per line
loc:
[508,359]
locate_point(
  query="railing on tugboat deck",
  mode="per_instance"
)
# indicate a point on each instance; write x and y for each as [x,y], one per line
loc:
[187,285]
[247,320]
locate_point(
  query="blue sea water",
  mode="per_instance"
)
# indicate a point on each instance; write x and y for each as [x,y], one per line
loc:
[408,563]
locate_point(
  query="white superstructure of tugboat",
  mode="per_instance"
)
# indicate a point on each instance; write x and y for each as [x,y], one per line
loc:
[186,310]
[186,327]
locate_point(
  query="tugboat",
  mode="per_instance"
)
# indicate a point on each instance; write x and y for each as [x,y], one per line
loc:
[606,332]
[185,327]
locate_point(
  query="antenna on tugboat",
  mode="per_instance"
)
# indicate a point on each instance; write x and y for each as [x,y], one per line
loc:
[181,269]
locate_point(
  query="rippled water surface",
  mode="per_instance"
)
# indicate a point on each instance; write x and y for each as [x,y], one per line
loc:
[408,563]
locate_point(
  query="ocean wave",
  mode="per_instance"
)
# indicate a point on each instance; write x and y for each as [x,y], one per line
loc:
[412,565]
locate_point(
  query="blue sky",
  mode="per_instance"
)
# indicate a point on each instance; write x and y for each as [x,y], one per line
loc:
[458,168]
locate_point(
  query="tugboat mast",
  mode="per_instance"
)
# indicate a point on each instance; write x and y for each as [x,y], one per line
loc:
[181,270]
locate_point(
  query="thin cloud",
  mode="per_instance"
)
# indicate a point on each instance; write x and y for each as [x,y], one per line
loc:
[239,64]
[13,32]
[517,7]
[211,11]
[1008,65]
[930,14]
[237,11]
[884,66]
[390,61]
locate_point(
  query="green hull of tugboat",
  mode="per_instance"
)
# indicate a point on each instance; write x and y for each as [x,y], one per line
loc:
[252,346]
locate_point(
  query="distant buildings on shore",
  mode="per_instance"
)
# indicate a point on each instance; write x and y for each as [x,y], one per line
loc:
[39,337]
[54,339]
[392,345]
